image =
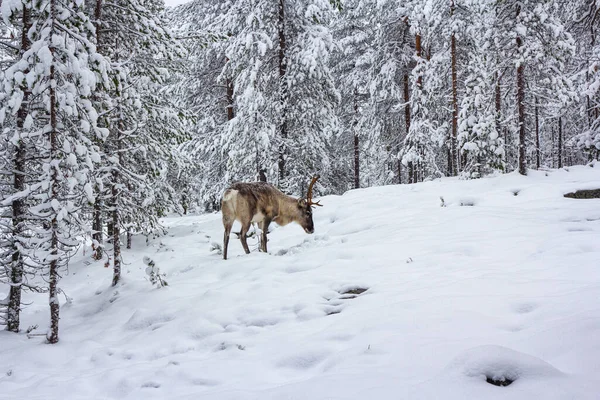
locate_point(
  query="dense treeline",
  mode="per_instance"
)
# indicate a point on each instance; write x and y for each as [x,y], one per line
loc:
[117,112]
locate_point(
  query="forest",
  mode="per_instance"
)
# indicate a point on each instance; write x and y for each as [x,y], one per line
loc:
[116,113]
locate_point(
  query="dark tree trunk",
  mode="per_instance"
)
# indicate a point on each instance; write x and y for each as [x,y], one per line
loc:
[419,50]
[560,143]
[52,336]
[283,89]
[498,98]
[399,171]
[18,206]
[129,238]
[356,148]
[116,233]
[110,231]
[262,175]
[356,163]
[115,194]
[407,124]
[97,224]
[452,167]
[98,23]
[229,97]
[97,227]
[521,110]
[552,147]
[537,136]
[498,101]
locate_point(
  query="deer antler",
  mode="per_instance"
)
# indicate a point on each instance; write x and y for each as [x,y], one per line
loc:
[309,192]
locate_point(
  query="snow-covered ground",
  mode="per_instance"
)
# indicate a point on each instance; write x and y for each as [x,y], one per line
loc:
[502,282]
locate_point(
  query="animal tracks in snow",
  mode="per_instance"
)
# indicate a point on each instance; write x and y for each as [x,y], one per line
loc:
[524,308]
[336,304]
[312,241]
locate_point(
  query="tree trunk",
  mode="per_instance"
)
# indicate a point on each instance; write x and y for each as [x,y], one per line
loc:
[18,206]
[283,89]
[116,233]
[98,23]
[97,215]
[452,167]
[262,175]
[537,136]
[129,238]
[560,143]
[356,163]
[521,107]
[110,231]
[407,124]
[52,336]
[414,171]
[97,227]
[399,171]
[115,193]
[356,148]
[229,96]
[419,50]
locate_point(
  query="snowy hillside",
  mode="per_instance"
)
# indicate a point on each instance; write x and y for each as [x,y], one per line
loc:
[502,282]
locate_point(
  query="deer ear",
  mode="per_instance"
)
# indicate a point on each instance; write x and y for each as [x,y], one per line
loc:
[301,202]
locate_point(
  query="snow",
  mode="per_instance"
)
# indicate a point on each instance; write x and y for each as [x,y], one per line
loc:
[501,282]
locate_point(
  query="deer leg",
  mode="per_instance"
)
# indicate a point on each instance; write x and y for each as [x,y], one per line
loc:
[243,232]
[227,226]
[263,240]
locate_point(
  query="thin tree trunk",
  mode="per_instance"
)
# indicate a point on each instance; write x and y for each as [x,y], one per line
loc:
[415,171]
[129,238]
[498,101]
[229,96]
[419,50]
[552,148]
[97,228]
[115,217]
[110,231]
[283,89]
[399,171]
[521,107]
[262,175]
[452,168]
[356,148]
[52,336]
[560,143]
[116,231]
[18,205]
[537,136]
[97,225]
[407,124]
[115,193]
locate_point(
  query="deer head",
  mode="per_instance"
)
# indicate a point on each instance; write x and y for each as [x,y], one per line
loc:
[305,207]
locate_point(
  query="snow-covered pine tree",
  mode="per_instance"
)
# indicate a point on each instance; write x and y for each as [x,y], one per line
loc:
[528,35]
[284,95]
[208,100]
[428,128]
[480,145]
[586,27]
[352,66]
[144,127]
[14,158]
[387,118]
[61,69]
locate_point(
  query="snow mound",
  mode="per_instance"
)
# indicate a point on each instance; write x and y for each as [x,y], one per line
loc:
[501,364]
[497,372]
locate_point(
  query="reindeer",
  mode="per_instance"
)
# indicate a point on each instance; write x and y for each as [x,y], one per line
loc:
[263,203]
